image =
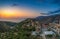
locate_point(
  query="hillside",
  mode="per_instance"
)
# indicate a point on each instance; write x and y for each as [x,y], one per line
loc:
[23,29]
[5,25]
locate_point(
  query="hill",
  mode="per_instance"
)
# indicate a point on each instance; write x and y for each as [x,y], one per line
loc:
[48,19]
[5,25]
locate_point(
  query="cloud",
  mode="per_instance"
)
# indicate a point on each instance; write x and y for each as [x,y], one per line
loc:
[51,12]
[14,5]
[43,13]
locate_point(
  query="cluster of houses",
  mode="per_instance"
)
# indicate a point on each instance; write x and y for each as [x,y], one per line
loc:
[46,29]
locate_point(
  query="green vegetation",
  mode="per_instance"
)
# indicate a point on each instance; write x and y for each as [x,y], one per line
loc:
[21,30]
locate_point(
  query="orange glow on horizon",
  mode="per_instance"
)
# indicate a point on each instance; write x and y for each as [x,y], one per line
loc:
[16,13]
[8,13]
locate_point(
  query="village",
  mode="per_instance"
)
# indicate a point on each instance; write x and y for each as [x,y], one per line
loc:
[45,31]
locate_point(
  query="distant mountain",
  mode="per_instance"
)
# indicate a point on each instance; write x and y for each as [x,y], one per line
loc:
[48,19]
[5,25]
[8,23]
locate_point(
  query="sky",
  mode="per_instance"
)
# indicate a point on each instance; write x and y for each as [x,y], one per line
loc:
[16,10]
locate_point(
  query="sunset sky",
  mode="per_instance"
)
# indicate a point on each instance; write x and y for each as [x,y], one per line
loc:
[16,10]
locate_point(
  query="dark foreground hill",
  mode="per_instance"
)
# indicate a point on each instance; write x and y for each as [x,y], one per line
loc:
[5,26]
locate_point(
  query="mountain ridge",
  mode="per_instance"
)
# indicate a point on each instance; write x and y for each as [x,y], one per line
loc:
[50,18]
